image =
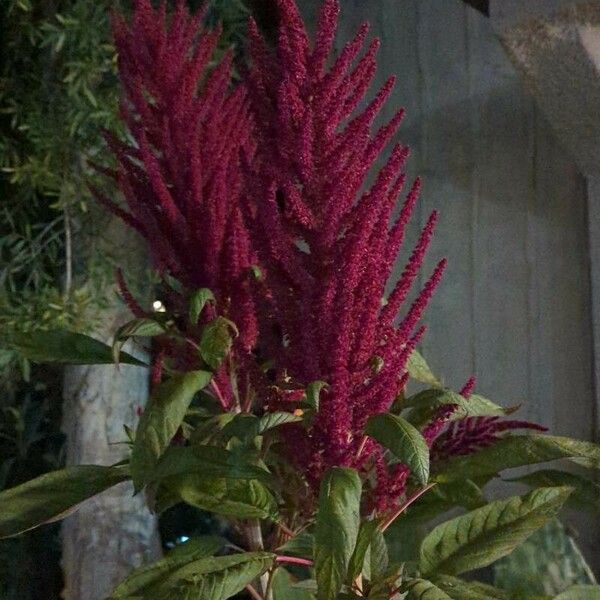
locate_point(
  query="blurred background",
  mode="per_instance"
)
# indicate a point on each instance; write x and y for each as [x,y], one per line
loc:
[503,118]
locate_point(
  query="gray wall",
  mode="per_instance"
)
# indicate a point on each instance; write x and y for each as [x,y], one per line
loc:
[514,308]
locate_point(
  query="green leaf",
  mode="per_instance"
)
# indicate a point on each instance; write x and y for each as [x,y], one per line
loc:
[244,426]
[141,579]
[426,402]
[459,589]
[136,328]
[215,578]
[377,556]
[198,301]
[403,440]
[284,589]
[302,545]
[66,347]
[363,542]
[275,419]
[461,493]
[52,496]
[419,370]
[208,461]
[161,420]
[421,589]
[336,529]
[313,392]
[486,534]
[515,451]
[580,592]
[216,341]
[243,499]
[586,493]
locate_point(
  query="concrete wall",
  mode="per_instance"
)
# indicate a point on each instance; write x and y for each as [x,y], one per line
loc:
[514,308]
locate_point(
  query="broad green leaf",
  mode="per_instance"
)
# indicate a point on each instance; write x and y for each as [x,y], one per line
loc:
[515,451]
[198,301]
[313,393]
[421,589]
[284,589]
[216,341]
[580,592]
[403,440]
[461,493]
[419,370]
[240,498]
[66,347]
[143,327]
[363,542]
[160,421]
[153,573]
[388,582]
[216,578]
[377,556]
[52,496]
[275,419]
[586,494]
[336,529]
[486,534]
[208,461]
[302,545]
[425,403]
[244,426]
[458,589]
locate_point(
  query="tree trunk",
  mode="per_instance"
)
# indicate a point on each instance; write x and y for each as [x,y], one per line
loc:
[114,532]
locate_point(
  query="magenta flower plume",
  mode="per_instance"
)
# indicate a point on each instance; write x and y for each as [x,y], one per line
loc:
[326,241]
[179,173]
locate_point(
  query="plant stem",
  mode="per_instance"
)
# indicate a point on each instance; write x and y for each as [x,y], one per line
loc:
[293,560]
[219,395]
[255,542]
[404,506]
[255,595]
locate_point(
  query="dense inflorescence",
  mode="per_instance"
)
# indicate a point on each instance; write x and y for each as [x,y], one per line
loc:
[180,172]
[273,172]
[328,246]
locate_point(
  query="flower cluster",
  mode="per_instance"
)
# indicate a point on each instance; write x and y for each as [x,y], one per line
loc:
[327,241]
[274,172]
[179,173]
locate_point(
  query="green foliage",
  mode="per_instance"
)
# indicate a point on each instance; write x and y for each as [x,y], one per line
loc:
[336,529]
[188,449]
[66,347]
[482,536]
[142,579]
[161,420]
[419,370]
[213,578]
[52,496]
[198,301]
[216,341]
[403,440]
[516,451]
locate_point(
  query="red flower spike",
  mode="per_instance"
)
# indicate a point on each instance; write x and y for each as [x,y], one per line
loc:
[322,241]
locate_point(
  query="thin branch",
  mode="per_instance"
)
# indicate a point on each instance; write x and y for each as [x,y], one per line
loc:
[405,505]
[294,560]
[255,595]
[68,254]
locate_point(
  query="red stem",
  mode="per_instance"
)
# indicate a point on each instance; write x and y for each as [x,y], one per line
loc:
[219,395]
[405,505]
[294,560]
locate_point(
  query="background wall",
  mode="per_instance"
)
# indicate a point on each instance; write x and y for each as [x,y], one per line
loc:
[514,308]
